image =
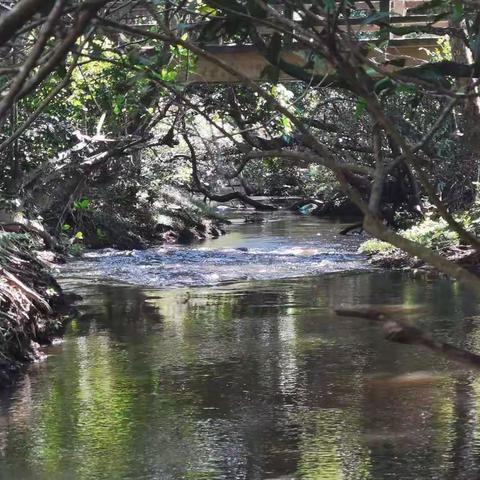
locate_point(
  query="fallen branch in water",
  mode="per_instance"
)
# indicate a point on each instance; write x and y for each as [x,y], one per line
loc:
[227,197]
[355,226]
[398,331]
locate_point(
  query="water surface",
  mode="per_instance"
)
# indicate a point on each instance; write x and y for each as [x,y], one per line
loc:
[245,375]
[284,246]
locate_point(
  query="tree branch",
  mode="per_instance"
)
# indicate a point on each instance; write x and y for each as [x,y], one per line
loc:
[215,197]
[398,331]
[14,19]
[16,86]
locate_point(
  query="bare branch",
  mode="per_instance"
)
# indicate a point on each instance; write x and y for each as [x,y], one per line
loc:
[31,61]
[14,19]
[397,330]
[220,198]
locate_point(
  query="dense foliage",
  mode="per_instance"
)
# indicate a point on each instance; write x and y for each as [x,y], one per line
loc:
[104,113]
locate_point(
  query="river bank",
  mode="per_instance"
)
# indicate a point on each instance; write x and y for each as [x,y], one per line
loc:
[461,255]
[432,233]
[33,307]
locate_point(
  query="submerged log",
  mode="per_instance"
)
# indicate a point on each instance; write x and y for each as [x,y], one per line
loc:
[397,330]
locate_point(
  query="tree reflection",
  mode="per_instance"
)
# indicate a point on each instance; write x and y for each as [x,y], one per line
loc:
[248,381]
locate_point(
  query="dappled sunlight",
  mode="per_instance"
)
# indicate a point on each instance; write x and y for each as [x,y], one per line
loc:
[239,240]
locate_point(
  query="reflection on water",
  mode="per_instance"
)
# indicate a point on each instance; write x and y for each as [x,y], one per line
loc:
[253,380]
[249,381]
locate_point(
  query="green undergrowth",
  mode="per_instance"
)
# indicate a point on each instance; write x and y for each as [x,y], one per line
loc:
[95,223]
[431,233]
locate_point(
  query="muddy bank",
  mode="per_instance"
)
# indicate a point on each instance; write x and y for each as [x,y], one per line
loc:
[109,231]
[202,230]
[33,308]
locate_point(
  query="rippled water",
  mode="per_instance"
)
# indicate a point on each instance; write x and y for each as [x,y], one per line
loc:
[253,379]
[284,246]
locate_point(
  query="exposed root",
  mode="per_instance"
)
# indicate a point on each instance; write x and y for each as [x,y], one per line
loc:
[30,304]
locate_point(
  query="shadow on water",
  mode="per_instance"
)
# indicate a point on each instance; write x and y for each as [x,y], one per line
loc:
[251,380]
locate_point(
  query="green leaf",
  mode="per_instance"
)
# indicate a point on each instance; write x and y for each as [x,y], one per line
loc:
[207,10]
[360,107]
[81,204]
[168,75]
[79,236]
[286,123]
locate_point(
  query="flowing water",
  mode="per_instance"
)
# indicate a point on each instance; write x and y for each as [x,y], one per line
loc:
[224,361]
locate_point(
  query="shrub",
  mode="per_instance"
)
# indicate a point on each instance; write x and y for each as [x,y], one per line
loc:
[373,246]
[430,232]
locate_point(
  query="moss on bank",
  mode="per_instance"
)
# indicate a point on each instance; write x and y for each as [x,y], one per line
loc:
[33,308]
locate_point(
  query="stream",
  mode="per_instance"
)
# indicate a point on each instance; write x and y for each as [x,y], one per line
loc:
[223,361]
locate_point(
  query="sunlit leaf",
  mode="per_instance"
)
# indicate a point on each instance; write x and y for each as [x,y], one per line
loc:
[360,107]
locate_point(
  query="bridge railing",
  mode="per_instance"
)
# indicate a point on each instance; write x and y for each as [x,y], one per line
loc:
[392,12]
[390,30]
[413,48]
